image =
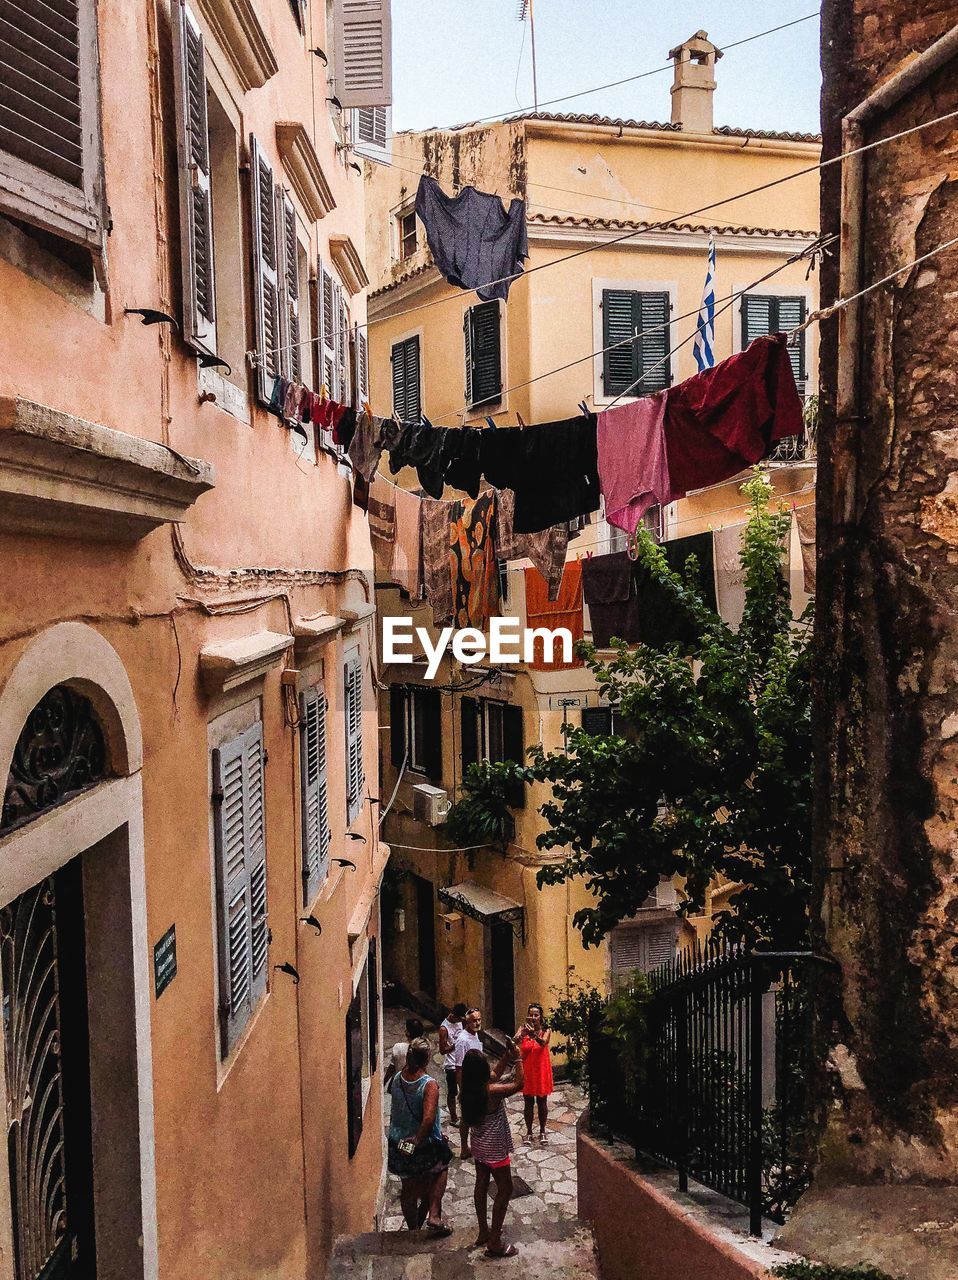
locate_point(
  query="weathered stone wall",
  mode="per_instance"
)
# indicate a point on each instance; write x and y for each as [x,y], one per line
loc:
[887,628]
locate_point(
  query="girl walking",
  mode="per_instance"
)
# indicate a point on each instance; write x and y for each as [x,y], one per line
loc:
[482,1104]
[418,1153]
[534,1038]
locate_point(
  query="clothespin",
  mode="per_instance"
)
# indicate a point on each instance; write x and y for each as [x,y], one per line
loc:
[490,421]
[367,409]
[425,420]
[584,408]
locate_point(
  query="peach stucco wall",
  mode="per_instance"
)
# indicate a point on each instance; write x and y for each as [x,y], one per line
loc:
[253,1175]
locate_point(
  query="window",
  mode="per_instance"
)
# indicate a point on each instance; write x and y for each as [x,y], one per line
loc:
[635,341]
[363,52]
[239,826]
[492,731]
[415,729]
[362,1045]
[407,402]
[313,790]
[369,130]
[407,234]
[641,948]
[599,721]
[229,284]
[353,718]
[299,11]
[483,354]
[50,153]
[767,313]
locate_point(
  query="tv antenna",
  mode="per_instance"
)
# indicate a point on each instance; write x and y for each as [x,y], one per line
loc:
[523,8]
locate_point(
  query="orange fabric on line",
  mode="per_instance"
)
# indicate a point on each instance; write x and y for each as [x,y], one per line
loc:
[566,611]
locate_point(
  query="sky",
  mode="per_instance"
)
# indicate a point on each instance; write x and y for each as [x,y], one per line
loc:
[457,60]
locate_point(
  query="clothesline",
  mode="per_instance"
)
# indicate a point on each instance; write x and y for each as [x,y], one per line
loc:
[256,357]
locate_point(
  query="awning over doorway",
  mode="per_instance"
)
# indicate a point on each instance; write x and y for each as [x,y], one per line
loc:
[482,904]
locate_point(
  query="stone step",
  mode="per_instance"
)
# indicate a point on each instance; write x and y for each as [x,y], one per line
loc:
[562,1250]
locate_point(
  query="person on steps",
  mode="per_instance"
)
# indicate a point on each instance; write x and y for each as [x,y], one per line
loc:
[469,1039]
[418,1153]
[482,1101]
[397,1058]
[449,1032]
[534,1037]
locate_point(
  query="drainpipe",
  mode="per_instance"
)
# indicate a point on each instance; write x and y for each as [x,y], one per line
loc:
[878,103]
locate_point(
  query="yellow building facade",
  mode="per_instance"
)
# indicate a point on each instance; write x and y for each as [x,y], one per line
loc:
[613,207]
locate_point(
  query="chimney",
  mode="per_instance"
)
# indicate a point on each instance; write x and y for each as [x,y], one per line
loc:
[694,83]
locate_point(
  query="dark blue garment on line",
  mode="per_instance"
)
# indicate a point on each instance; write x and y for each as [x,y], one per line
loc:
[474,239]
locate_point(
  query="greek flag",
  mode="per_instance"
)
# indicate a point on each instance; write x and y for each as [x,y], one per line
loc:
[704,344]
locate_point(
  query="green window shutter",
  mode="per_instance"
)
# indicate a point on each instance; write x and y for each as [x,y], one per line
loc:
[619,356]
[513,748]
[469,725]
[651,313]
[353,718]
[240,847]
[765,314]
[314,790]
[407,404]
[597,721]
[429,707]
[398,742]
[483,353]
[354,1074]
[372,972]
[757,317]
[196,202]
[266,297]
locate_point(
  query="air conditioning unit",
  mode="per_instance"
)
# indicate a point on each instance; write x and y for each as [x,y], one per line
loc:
[429,804]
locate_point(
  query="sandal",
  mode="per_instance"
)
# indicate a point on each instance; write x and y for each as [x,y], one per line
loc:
[438,1230]
[510,1251]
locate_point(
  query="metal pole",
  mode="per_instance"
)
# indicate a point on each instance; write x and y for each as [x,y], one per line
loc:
[535,82]
[755,1100]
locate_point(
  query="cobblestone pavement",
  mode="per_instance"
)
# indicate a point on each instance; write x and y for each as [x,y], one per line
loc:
[548,1169]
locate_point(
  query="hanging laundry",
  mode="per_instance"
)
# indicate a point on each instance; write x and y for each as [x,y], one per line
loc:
[406,559]
[552,469]
[729,573]
[366,446]
[566,611]
[382,514]
[662,619]
[546,549]
[277,397]
[727,418]
[805,522]
[422,447]
[463,469]
[473,238]
[437,577]
[360,492]
[608,588]
[344,426]
[633,468]
[472,556]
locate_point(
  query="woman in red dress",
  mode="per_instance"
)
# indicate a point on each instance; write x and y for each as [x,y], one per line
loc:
[537,1082]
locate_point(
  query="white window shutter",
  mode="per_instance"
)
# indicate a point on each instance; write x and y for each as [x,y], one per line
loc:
[240,846]
[361,360]
[265,272]
[290,362]
[363,54]
[196,200]
[313,782]
[342,345]
[370,129]
[326,295]
[353,716]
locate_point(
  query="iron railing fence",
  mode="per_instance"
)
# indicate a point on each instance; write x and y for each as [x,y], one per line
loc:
[720,1092]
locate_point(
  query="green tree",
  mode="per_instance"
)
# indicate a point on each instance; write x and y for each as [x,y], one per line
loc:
[713,776]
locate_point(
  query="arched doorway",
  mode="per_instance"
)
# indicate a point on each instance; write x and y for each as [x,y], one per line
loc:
[77,1198]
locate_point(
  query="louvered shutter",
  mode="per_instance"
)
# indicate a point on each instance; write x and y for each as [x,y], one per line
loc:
[660,946]
[483,354]
[765,314]
[313,785]
[240,844]
[265,272]
[429,707]
[407,405]
[651,317]
[50,161]
[361,358]
[619,360]
[342,346]
[469,726]
[643,948]
[196,203]
[597,721]
[363,58]
[514,748]
[398,744]
[372,977]
[371,126]
[354,1074]
[353,716]
[326,325]
[290,361]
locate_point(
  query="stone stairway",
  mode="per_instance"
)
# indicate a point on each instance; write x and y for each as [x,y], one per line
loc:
[559,1250]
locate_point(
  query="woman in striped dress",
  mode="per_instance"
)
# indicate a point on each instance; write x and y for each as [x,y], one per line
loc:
[482,1100]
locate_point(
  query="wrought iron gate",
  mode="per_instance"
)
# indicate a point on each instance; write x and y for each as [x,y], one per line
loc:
[46,1247]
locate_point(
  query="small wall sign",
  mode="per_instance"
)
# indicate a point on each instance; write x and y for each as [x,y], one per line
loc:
[164,961]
